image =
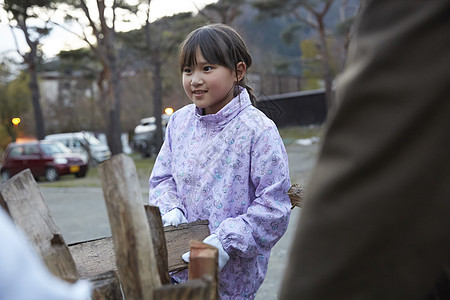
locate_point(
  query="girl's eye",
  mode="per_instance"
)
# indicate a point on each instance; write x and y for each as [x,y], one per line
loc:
[187,70]
[207,68]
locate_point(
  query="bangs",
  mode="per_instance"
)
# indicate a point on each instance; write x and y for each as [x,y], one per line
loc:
[214,47]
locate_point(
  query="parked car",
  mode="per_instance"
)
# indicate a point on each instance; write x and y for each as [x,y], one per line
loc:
[144,135]
[49,159]
[84,143]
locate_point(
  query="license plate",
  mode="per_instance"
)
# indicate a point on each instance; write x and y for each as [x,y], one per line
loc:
[74,169]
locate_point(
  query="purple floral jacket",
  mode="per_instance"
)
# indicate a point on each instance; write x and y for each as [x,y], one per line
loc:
[230,168]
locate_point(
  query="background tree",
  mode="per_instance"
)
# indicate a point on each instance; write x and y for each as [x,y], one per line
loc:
[101,39]
[344,29]
[156,44]
[165,37]
[223,11]
[310,13]
[75,93]
[15,101]
[312,63]
[153,43]
[21,14]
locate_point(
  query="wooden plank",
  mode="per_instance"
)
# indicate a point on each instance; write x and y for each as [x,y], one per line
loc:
[178,241]
[24,202]
[135,257]
[159,241]
[97,256]
[197,289]
[106,286]
[94,257]
[203,261]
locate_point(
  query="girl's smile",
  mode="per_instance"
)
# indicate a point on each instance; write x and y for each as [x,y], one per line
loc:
[198,93]
[210,86]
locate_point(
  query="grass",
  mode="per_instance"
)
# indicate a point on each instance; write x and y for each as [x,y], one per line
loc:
[290,134]
[145,165]
[143,169]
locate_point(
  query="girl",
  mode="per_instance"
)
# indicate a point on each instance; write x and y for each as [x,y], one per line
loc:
[223,160]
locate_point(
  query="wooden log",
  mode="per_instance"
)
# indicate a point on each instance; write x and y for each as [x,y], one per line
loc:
[97,256]
[178,241]
[23,200]
[295,194]
[106,286]
[196,289]
[203,261]
[135,257]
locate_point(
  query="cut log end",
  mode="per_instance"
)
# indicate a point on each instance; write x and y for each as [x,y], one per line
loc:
[295,194]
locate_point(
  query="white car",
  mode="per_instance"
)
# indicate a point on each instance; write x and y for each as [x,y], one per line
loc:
[84,143]
[144,135]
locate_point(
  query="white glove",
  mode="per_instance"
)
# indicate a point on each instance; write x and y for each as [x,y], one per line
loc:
[174,217]
[212,240]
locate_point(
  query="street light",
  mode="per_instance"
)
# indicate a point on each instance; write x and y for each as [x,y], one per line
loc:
[15,121]
[168,111]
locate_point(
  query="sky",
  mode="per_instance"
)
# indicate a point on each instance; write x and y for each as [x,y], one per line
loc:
[60,39]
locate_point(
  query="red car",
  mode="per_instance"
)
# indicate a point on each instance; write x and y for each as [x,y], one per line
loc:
[43,158]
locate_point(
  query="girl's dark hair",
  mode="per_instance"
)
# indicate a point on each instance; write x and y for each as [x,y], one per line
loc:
[219,44]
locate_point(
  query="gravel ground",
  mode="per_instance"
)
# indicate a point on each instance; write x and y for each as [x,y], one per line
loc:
[81,215]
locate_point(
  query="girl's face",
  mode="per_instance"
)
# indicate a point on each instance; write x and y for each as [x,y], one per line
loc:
[208,85]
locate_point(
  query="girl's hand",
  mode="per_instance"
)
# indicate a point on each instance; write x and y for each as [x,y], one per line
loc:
[174,217]
[212,240]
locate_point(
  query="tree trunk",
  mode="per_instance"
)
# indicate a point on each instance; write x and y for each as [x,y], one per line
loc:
[115,142]
[157,98]
[325,63]
[35,99]
[114,94]
[157,80]
[30,59]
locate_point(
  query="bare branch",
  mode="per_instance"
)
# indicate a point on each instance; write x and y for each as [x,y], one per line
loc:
[114,15]
[299,18]
[22,23]
[91,22]
[326,8]
[101,13]
[15,41]
[342,13]
[82,37]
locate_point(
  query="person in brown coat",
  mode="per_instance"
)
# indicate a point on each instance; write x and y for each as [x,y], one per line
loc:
[376,219]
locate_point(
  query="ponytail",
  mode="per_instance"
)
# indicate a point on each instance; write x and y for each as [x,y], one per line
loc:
[250,90]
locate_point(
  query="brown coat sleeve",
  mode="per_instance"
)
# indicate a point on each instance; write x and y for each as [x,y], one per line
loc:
[376,219]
